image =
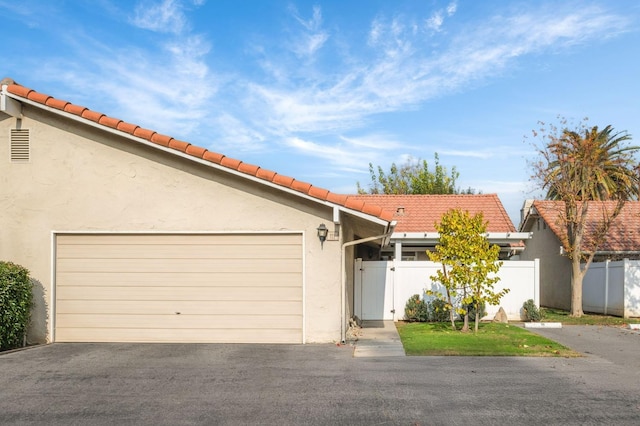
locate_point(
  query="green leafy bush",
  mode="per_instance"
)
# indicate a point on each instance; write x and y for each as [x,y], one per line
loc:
[416,309]
[471,308]
[16,298]
[439,310]
[531,311]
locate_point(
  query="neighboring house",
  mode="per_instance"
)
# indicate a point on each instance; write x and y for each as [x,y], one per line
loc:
[131,235]
[386,280]
[541,218]
[417,215]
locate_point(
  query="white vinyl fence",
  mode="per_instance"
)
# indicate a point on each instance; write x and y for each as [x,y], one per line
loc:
[612,288]
[382,288]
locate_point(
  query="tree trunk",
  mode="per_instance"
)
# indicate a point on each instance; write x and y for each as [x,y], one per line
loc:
[451,311]
[475,327]
[577,276]
[465,326]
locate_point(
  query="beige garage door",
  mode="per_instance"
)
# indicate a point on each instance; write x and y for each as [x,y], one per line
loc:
[179,288]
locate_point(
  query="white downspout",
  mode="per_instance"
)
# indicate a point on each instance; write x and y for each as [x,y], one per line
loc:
[343,258]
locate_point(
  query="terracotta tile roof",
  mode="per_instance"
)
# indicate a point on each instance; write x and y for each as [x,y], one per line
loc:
[420,213]
[623,235]
[287,182]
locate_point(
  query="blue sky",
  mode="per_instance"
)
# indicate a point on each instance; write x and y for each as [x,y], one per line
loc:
[318,90]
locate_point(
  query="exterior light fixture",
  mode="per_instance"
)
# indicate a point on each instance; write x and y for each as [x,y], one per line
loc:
[323,231]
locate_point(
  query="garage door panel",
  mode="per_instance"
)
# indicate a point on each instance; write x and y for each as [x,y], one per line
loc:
[227,288]
[141,335]
[178,265]
[184,293]
[252,240]
[182,321]
[114,251]
[198,307]
[181,279]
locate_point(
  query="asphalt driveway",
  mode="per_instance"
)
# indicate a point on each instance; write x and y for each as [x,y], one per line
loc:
[68,384]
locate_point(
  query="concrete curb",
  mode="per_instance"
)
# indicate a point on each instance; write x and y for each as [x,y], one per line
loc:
[542,325]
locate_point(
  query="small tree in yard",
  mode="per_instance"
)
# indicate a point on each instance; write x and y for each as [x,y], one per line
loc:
[585,170]
[469,264]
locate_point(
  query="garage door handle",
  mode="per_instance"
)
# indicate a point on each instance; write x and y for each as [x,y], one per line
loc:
[177,313]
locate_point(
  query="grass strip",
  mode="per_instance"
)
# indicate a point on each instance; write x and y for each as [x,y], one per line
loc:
[493,339]
[558,315]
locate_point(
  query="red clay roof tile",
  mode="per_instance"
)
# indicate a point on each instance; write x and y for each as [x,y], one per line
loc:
[354,203]
[132,129]
[317,192]
[265,174]
[16,89]
[196,151]
[74,109]
[92,115]
[282,180]
[178,145]
[420,213]
[249,169]
[57,103]
[341,199]
[231,163]
[300,186]
[109,122]
[214,157]
[39,97]
[127,127]
[623,235]
[143,133]
[160,139]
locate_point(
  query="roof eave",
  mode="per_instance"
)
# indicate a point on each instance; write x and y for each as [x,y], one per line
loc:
[14,100]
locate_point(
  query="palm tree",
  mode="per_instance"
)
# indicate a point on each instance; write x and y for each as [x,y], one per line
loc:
[579,167]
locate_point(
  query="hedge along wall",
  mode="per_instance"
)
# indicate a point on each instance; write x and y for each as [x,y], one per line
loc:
[16,299]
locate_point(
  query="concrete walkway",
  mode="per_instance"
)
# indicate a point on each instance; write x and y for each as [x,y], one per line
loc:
[378,339]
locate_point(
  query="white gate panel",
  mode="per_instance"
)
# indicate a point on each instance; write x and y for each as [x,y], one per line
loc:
[383,288]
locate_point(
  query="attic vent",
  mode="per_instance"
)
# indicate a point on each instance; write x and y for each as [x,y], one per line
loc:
[400,211]
[20,145]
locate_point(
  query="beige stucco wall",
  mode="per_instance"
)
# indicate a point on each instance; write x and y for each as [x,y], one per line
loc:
[84,179]
[555,270]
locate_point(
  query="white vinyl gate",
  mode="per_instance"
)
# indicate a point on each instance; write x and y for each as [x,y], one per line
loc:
[382,288]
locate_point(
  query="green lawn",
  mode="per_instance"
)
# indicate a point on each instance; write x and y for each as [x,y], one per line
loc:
[558,315]
[425,339]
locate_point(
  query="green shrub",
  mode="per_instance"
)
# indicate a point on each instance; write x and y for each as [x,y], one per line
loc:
[471,308]
[16,298]
[416,309]
[439,310]
[531,311]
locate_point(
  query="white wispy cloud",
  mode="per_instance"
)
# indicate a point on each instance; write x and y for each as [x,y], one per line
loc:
[165,16]
[400,70]
[313,37]
[229,130]
[301,98]
[435,21]
[381,142]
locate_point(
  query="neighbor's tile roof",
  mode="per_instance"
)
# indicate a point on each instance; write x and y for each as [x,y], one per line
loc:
[419,213]
[623,235]
[347,201]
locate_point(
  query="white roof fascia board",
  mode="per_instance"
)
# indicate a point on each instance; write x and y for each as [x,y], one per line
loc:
[8,104]
[198,160]
[492,236]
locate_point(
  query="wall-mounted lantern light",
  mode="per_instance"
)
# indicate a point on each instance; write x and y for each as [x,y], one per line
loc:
[323,231]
